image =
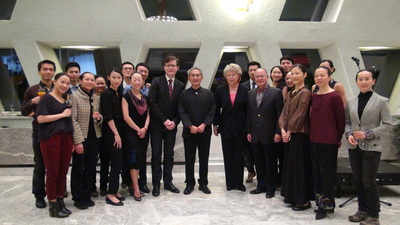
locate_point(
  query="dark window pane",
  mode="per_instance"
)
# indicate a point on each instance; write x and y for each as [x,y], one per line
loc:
[239,58]
[305,10]
[156,56]
[98,61]
[386,62]
[13,82]
[6,9]
[309,58]
[179,9]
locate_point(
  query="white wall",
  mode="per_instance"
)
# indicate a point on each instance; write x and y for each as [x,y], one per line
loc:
[38,26]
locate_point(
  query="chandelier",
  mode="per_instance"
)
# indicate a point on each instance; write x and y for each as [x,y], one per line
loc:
[162,13]
[162,18]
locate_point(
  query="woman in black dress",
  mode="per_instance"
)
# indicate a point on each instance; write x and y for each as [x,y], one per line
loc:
[137,118]
[113,126]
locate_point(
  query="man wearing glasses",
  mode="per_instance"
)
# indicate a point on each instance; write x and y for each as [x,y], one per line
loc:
[127,69]
[163,99]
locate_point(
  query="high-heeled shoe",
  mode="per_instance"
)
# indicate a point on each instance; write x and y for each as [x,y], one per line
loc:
[109,201]
[137,198]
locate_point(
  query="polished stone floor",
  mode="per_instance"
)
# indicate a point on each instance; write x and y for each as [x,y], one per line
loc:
[220,207]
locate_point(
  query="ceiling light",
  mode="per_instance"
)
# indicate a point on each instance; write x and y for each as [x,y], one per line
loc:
[84,47]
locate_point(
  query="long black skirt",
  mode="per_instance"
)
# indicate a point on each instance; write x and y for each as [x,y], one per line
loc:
[297,178]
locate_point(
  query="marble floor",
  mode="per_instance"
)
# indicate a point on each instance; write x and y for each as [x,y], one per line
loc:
[220,207]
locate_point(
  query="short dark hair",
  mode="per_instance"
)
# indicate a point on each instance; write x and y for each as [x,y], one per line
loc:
[301,67]
[83,75]
[143,64]
[72,64]
[286,57]
[58,75]
[127,63]
[170,58]
[325,68]
[46,61]
[253,63]
[330,64]
[374,75]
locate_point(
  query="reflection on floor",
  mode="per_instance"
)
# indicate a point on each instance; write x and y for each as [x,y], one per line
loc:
[220,207]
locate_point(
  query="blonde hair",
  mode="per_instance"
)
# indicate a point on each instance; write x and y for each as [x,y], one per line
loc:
[234,68]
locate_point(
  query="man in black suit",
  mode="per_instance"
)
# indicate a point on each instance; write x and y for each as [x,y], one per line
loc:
[163,99]
[197,109]
[250,84]
[264,108]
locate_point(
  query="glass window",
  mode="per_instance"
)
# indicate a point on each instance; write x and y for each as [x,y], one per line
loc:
[6,9]
[179,9]
[305,10]
[309,58]
[239,58]
[98,61]
[156,56]
[13,82]
[386,62]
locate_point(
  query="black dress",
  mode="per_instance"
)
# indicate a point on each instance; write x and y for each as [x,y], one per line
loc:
[135,147]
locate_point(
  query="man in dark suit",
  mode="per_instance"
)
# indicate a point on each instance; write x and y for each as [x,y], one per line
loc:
[163,99]
[197,109]
[264,108]
[250,84]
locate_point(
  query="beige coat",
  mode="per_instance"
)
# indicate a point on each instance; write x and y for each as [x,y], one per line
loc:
[81,115]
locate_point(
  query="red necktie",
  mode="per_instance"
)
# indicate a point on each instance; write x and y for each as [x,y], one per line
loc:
[170,88]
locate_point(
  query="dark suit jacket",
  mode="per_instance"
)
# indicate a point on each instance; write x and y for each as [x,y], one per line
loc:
[246,84]
[263,120]
[231,119]
[161,106]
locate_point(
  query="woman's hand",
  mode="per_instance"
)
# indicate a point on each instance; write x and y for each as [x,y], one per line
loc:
[117,142]
[96,116]
[352,140]
[142,132]
[359,135]
[67,113]
[79,148]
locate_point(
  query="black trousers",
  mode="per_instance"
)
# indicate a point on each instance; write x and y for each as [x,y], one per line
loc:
[364,165]
[202,142]
[324,164]
[232,149]
[266,165]
[84,169]
[250,162]
[104,165]
[279,149]
[39,171]
[158,138]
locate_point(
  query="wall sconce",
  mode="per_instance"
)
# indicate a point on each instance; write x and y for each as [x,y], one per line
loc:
[241,5]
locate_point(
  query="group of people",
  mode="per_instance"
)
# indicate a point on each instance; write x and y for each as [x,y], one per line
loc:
[291,134]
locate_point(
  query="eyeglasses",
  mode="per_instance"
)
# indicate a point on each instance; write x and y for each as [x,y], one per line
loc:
[170,66]
[127,68]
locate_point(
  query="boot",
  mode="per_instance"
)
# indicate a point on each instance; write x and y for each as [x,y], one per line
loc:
[62,205]
[55,210]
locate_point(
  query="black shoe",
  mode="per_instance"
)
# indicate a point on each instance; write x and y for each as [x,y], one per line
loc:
[229,188]
[205,189]
[301,208]
[89,202]
[270,194]
[81,204]
[121,198]
[137,198]
[188,190]
[94,194]
[65,194]
[144,188]
[241,188]
[55,210]
[114,203]
[320,213]
[103,192]
[156,191]
[258,191]
[62,206]
[170,187]
[40,203]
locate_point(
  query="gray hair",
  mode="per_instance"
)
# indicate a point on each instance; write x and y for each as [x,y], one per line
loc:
[234,68]
[194,68]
